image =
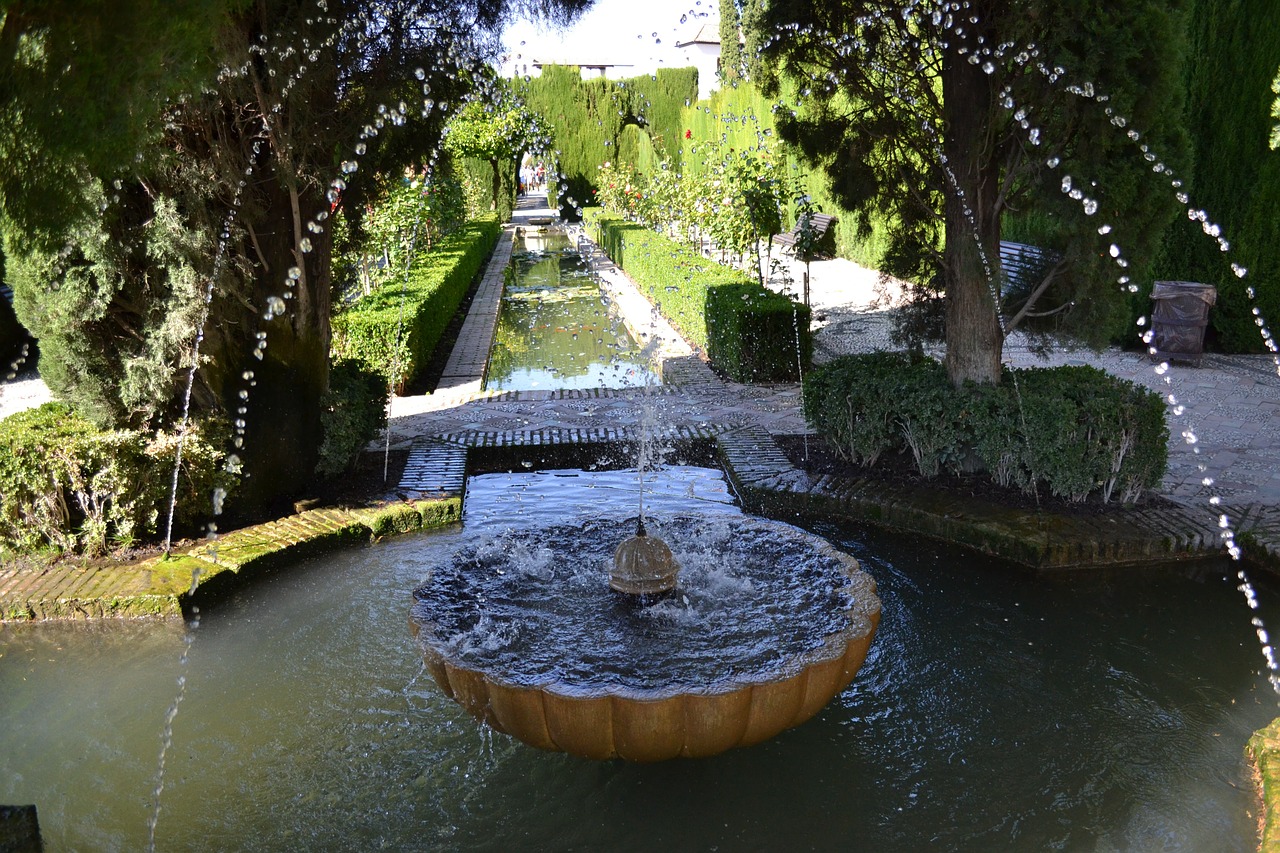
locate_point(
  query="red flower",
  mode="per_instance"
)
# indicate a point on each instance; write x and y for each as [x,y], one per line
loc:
[688,134]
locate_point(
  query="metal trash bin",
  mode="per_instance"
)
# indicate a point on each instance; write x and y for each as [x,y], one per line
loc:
[1179,318]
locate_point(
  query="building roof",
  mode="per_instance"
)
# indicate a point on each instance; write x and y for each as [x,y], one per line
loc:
[543,63]
[708,33]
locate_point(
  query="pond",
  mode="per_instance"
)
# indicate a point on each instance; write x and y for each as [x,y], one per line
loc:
[998,710]
[554,330]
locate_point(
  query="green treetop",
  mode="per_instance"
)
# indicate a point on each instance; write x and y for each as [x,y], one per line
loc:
[948,121]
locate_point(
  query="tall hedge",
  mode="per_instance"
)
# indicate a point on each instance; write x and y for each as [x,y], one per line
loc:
[1235,178]
[394,330]
[589,119]
[749,333]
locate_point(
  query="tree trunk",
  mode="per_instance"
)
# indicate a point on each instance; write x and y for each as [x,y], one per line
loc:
[973,335]
[281,416]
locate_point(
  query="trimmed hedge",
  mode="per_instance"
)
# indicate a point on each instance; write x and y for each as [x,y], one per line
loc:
[354,411]
[1076,431]
[369,330]
[749,333]
[66,484]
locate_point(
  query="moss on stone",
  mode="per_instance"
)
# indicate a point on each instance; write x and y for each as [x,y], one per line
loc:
[1263,751]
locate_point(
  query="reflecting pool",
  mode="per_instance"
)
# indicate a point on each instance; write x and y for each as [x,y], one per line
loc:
[554,330]
[997,710]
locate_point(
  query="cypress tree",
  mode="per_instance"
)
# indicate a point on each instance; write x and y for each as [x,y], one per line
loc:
[1235,177]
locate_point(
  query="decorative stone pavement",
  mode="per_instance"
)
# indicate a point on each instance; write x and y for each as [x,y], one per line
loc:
[1230,406]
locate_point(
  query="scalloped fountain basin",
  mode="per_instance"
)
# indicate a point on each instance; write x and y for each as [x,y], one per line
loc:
[768,624]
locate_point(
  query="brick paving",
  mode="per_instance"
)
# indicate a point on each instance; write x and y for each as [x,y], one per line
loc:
[1229,404]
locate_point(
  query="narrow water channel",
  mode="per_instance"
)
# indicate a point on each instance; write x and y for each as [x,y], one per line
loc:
[554,330]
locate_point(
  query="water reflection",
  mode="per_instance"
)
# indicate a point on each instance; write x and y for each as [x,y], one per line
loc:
[554,331]
[997,710]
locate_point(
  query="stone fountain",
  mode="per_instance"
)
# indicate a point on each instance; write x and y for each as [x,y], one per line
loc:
[531,635]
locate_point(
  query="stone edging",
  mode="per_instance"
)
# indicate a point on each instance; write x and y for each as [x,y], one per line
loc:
[1263,753]
[162,587]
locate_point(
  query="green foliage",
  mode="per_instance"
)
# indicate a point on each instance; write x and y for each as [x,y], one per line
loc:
[1275,114]
[913,87]
[741,118]
[355,410]
[1235,178]
[394,330]
[749,333]
[146,279]
[414,211]
[1075,431]
[498,129]
[588,118]
[732,67]
[84,85]
[481,181]
[75,488]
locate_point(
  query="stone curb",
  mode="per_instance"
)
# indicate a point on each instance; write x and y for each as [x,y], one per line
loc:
[1263,753]
[161,587]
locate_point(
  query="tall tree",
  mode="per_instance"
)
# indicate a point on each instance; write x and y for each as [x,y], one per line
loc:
[229,181]
[947,118]
[1235,176]
[731,66]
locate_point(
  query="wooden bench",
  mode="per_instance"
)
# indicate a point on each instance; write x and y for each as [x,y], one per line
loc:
[820,224]
[1024,267]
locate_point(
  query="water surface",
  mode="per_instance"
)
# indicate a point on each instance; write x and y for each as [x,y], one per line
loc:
[997,711]
[554,330]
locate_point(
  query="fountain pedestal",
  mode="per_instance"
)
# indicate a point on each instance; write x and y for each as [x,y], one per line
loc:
[802,642]
[643,565]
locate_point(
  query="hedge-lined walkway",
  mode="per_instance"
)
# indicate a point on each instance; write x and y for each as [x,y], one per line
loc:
[441,429]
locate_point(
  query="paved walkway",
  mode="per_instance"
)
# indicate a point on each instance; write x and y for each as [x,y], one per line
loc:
[1230,401]
[1229,404]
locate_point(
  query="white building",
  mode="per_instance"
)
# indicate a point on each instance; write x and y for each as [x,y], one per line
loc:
[525,66]
[702,51]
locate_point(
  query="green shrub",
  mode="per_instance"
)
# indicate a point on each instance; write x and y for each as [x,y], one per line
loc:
[1087,432]
[355,409]
[749,333]
[850,402]
[1075,431]
[394,330]
[68,485]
